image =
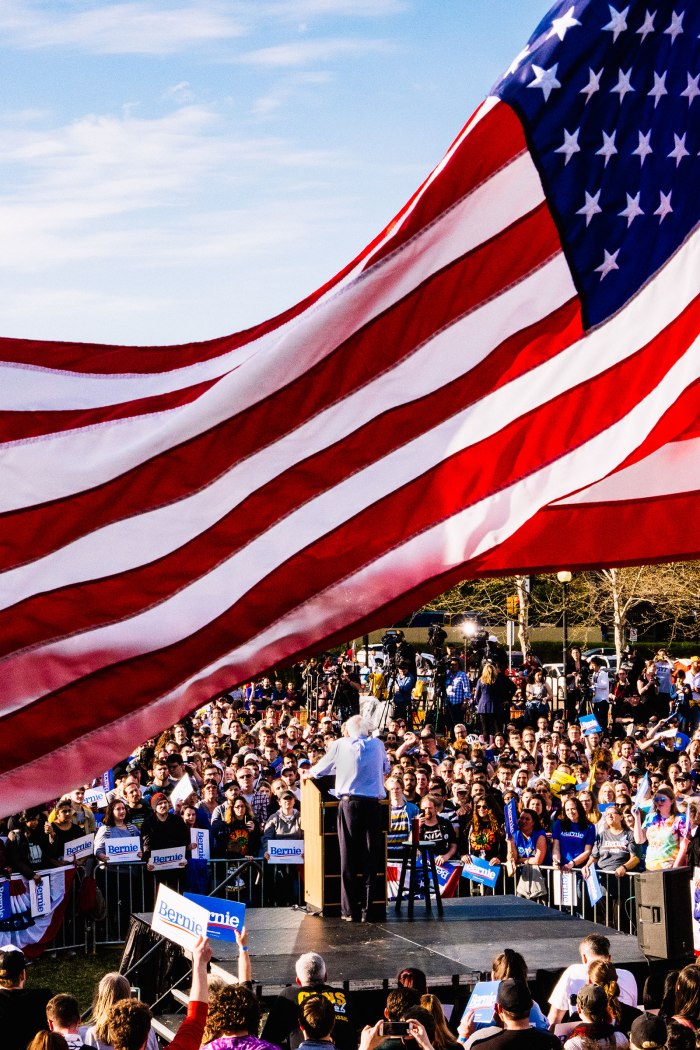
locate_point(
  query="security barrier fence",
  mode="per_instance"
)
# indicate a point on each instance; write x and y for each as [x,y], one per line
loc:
[128,888]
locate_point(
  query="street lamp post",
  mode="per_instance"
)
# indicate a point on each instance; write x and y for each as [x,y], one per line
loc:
[564,578]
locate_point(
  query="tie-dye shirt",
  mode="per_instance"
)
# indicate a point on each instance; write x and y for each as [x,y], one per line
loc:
[663,840]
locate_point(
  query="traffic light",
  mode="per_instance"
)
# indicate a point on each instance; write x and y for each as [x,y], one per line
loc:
[512,605]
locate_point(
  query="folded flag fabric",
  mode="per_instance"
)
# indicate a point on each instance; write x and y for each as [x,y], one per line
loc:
[503,380]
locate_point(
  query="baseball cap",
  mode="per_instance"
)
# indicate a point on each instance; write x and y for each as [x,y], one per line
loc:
[12,963]
[592,999]
[648,1032]
[304,762]
[514,996]
[287,794]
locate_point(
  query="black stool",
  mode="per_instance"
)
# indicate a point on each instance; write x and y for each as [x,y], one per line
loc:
[430,879]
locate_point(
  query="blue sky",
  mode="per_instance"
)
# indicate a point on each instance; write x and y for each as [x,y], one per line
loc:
[173,170]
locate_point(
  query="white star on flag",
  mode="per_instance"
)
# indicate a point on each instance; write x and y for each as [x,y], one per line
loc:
[679,151]
[692,91]
[608,148]
[632,210]
[570,145]
[623,86]
[659,88]
[561,25]
[643,149]
[591,206]
[518,60]
[609,263]
[647,25]
[545,79]
[664,207]
[676,26]
[618,22]
[593,84]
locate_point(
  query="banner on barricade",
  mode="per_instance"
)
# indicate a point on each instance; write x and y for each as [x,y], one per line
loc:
[286,851]
[200,844]
[448,875]
[225,917]
[30,917]
[564,889]
[168,858]
[180,920]
[96,798]
[40,897]
[124,850]
[478,870]
[78,848]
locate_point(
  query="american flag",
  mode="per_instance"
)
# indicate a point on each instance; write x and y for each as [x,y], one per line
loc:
[504,379]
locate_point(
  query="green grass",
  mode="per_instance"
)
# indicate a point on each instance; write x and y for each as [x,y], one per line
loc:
[77,976]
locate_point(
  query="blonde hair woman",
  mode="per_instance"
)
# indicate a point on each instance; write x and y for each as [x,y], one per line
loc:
[111,989]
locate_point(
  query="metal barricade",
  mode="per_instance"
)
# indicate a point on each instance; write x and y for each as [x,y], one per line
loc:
[616,909]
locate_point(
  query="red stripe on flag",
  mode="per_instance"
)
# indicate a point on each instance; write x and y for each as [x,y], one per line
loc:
[513,452]
[451,293]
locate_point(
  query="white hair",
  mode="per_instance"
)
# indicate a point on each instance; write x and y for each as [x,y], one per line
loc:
[358,726]
[310,969]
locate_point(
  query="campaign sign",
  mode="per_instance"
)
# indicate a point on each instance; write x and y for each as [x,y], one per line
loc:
[510,812]
[107,780]
[200,844]
[82,847]
[168,858]
[96,798]
[182,790]
[124,850]
[40,897]
[482,1001]
[180,920]
[5,902]
[286,851]
[680,742]
[225,917]
[589,724]
[478,870]
[593,887]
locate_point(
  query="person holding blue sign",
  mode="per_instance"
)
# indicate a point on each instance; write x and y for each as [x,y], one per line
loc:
[527,851]
[572,836]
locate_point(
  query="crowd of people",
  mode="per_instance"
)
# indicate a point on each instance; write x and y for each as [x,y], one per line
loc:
[619,795]
[593,1006]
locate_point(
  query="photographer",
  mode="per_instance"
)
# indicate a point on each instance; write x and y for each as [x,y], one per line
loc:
[405,684]
[577,674]
[346,698]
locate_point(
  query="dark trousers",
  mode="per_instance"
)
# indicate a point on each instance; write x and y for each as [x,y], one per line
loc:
[359,827]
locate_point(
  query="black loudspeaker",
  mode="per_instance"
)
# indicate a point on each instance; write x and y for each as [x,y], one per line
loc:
[664,913]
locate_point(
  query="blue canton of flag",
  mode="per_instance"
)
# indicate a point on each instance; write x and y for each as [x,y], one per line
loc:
[607,96]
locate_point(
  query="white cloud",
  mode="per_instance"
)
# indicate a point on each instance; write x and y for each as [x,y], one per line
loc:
[182,93]
[294,9]
[288,89]
[96,187]
[300,53]
[138,27]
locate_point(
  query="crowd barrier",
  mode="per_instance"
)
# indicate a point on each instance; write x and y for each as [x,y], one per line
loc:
[617,908]
[128,888]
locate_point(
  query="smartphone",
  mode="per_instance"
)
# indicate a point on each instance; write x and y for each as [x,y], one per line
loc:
[397,1028]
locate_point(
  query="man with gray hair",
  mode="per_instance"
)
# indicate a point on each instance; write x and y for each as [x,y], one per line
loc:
[282,1025]
[360,764]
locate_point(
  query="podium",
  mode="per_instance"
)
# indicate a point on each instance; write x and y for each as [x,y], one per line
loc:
[319,821]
